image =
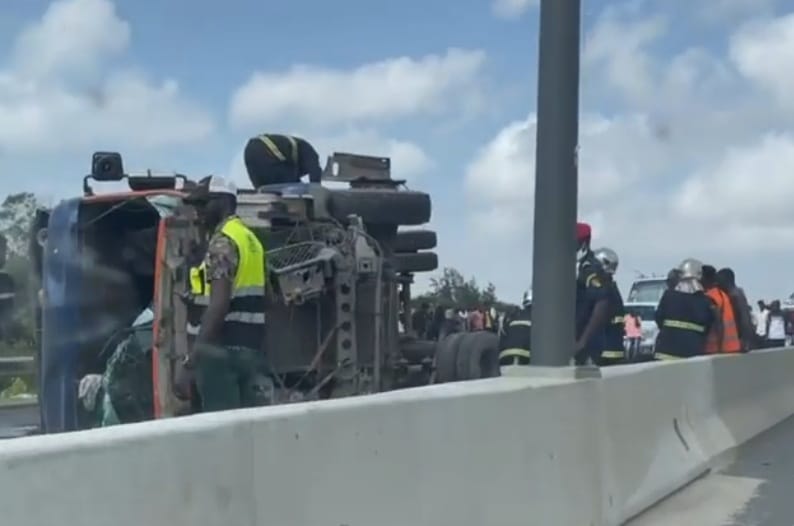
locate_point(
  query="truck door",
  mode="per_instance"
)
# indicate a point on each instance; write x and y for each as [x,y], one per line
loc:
[177,243]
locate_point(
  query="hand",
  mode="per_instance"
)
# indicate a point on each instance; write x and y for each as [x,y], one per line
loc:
[183,380]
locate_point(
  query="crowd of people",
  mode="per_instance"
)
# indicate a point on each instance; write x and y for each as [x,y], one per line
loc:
[436,323]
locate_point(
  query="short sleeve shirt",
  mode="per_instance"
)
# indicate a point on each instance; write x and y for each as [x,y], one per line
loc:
[591,287]
[222,258]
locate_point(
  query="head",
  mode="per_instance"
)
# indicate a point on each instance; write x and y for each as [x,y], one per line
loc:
[709,277]
[608,259]
[583,235]
[690,268]
[726,278]
[775,307]
[214,199]
[761,305]
[673,277]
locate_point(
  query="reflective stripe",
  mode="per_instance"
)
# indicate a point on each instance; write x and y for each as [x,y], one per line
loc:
[618,319]
[666,357]
[684,325]
[294,145]
[272,147]
[613,354]
[514,351]
[193,330]
[243,292]
[246,317]
[524,323]
[592,277]
[7,295]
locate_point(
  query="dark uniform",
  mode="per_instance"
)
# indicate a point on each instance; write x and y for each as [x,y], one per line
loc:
[614,347]
[515,341]
[277,159]
[684,321]
[591,287]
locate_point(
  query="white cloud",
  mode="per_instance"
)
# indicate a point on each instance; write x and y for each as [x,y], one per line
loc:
[513,8]
[60,94]
[763,51]
[72,36]
[388,89]
[691,160]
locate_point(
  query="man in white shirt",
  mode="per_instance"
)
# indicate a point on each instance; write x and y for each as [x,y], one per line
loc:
[760,323]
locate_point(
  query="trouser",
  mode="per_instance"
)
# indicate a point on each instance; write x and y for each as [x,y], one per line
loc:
[231,377]
[593,355]
[772,344]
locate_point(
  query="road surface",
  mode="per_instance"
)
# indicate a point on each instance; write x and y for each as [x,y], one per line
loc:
[753,488]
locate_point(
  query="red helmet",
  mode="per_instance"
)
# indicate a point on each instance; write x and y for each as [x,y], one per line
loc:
[583,232]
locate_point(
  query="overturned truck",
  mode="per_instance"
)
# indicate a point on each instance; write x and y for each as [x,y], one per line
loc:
[340,274]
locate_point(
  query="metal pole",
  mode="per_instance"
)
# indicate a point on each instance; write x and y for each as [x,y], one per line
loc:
[554,260]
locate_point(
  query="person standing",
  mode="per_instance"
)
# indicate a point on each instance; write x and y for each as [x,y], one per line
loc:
[633,329]
[614,334]
[725,337]
[420,321]
[775,326]
[760,324]
[227,357]
[684,315]
[515,341]
[741,308]
[592,300]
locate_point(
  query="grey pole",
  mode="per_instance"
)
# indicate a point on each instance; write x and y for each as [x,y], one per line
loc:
[554,260]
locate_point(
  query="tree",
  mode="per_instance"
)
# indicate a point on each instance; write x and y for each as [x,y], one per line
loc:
[16,215]
[452,290]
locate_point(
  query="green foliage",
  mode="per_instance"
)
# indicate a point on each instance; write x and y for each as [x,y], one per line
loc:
[452,290]
[16,215]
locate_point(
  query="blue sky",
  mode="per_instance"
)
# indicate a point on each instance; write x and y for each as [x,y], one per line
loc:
[677,97]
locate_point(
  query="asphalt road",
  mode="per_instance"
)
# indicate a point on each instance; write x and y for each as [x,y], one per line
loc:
[753,488]
[18,419]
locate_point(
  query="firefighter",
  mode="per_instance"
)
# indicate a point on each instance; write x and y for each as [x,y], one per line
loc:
[514,342]
[614,334]
[592,301]
[227,354]
[685,315]
[276,159]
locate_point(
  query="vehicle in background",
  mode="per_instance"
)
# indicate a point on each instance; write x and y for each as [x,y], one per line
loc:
[647,290]
[647,314]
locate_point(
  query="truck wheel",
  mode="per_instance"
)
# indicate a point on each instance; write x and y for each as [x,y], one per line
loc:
[413,240]
[446,358]
[415,262]
[478,356]
[381,207]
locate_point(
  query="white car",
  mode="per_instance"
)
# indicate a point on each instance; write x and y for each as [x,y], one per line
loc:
[646,310]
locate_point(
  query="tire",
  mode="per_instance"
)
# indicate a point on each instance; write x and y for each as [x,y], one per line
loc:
[446,358]
[415,262]
[416,351]
[478,356]
[380,207]
[413,240]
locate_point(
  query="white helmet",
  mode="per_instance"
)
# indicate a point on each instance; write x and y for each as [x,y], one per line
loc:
[691,268]
[608,259]
[526,301]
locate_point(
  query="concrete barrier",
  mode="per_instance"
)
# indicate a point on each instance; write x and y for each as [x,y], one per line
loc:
[508,451]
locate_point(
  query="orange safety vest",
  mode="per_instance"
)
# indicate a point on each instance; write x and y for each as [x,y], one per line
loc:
[730,335]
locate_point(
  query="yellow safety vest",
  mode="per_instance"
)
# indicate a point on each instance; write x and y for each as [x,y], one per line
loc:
[245,320]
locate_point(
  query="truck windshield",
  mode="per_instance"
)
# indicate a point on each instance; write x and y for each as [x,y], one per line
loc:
[647,291]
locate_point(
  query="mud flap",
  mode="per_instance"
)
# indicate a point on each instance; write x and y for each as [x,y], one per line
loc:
[176,238]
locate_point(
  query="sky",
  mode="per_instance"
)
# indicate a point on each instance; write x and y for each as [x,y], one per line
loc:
[686,145]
